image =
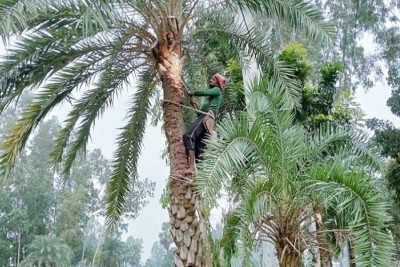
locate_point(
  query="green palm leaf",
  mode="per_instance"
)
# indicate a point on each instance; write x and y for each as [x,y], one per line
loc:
[302,16]
[357,199]
[292,172]
[254,45]
[129,146]
[33,114]
[16,16]
[93,104]
[36,58]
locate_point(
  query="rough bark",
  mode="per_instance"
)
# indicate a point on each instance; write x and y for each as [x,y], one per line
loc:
[19,247]
[288,257]
[185,228]
[283,228]
[314,244]
[325,251]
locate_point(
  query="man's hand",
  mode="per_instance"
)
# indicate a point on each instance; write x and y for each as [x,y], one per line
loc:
[190,93]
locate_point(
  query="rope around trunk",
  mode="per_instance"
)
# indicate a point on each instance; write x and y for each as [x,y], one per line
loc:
[188,107]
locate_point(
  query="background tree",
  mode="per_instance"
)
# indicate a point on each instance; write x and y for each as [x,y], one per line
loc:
[132,250]
[48,251]
[34,202]
[28,208]
[111,251]
[386,138]
[162,250]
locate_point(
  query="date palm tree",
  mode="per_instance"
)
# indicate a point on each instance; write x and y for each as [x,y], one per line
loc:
[86,52]
[47,251]
[283,179]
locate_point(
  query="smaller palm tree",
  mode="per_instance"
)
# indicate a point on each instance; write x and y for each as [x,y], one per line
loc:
[47,251]
[286,181]
[111,253]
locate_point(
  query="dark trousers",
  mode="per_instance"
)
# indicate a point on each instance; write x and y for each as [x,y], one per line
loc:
[194,136]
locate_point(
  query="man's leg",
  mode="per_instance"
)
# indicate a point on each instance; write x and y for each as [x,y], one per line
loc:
[200,147]
[191,138]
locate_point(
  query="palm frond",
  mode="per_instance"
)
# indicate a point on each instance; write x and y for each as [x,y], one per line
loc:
[354,195]
[254,45]
[17,16]
[327,139]
[301,15]
[286,139]
[364,152]
[32,115]
[36,58]
[266,98]
[93,104]
[73,69]
[231,151]
[128,150]
[115,72]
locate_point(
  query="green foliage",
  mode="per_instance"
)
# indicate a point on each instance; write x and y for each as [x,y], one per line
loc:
[325,103]
[230,236]
[393,179]
[162,251]
[70,217]
[131,252]
[394,103]
[386,138]
[329,73]
[291,174]
[322,102]
[33,202]
[47,251]
[296,55]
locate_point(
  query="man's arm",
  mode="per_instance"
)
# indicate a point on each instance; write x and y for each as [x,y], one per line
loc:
[208,92]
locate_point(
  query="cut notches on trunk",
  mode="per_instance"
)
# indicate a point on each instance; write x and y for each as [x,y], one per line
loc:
[185,226]
[185,231]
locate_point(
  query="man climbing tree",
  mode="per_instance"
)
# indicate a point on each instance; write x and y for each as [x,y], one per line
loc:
[204,124]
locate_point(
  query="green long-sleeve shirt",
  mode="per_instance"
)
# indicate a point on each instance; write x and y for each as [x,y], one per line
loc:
[213,100]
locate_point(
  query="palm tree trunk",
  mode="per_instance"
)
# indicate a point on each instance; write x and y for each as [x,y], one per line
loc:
[97,248]
[288,246]
[83,251]
[325,252]
[289,258]
[19,247]
[351,254]
[185,228]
